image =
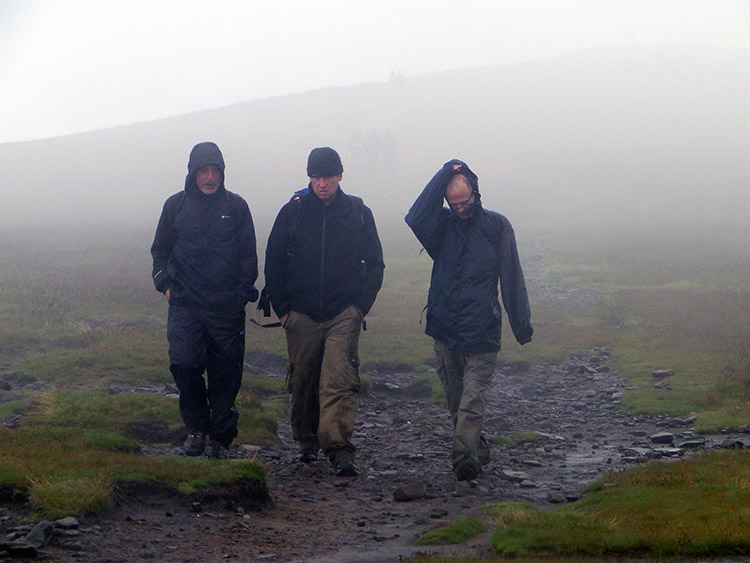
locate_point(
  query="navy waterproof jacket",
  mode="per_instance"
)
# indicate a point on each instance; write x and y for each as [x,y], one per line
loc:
[204,247]
[470,257]
[320,259]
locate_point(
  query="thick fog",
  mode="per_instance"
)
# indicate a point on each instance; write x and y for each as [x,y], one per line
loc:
[628,137]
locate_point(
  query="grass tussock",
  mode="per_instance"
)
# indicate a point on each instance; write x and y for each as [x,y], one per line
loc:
[70,470]
[99,410]
[457,532]
[76,495]
[698,507]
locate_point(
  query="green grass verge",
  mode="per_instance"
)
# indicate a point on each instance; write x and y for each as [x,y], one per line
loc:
[71,470]
[457,532]
[129,413]
[698,507]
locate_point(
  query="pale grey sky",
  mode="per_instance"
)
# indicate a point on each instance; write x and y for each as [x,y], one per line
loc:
[78,65]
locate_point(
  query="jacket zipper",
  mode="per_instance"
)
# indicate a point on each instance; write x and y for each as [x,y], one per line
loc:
[322,263]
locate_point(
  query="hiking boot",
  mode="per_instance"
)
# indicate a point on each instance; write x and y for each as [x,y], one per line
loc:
[466,469]
[346,468]
[217,450]
[306,455]
[195,444]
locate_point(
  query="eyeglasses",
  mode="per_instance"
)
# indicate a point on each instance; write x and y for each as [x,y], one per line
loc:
[462,204]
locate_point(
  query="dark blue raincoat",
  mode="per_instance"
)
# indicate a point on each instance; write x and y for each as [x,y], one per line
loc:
[470,257]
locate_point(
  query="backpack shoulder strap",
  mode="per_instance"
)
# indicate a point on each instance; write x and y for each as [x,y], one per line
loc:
[177,208]
[264,303]
[296,202]
[359,206]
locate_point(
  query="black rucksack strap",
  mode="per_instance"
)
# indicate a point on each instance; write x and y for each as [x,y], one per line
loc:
[267,325]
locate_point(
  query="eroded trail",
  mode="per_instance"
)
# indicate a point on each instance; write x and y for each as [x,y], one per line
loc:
[571,431]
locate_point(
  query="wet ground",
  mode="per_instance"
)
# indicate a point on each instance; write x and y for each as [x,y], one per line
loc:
[567,427]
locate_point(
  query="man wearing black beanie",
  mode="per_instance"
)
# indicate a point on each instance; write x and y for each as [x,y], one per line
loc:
[324,268]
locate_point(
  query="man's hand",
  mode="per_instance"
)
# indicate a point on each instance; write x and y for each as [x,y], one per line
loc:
[282,318]
[166,293]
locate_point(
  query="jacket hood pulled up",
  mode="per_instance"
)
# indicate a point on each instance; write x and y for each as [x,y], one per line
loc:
[473,180]
[467,173]
[201,155]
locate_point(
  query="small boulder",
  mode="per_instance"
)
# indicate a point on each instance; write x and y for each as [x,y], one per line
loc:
[41,534]
[692,443]
[409,491]
[662,438]
[514,476]
[68,523]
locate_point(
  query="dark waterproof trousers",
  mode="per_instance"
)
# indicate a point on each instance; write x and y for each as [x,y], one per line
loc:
[466,377]
[201,340]
[324,381]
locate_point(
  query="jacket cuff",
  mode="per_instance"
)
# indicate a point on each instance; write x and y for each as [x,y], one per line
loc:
[161,281]
[525,338]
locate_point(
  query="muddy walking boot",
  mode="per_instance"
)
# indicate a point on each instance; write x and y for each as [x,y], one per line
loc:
[195,444]
[217,450]
[466,469]
[343,465]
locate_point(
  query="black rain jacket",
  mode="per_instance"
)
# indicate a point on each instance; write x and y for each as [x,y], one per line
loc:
[204,247]
[470,256]
[320,259]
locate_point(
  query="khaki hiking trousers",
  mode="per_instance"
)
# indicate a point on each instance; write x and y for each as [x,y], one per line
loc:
[466,377]
[323,380]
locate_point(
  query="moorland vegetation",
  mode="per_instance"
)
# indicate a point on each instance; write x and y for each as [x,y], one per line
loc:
[78,314]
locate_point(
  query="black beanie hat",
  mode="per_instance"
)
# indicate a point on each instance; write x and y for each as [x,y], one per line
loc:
[324,162]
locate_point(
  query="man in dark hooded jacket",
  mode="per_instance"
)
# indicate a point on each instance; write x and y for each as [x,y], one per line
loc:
[473,249]
[324,268]
[205,262]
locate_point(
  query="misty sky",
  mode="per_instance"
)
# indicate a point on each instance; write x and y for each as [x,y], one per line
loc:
[73,66]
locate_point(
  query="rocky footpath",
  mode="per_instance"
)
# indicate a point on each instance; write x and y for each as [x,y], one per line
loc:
[562,426]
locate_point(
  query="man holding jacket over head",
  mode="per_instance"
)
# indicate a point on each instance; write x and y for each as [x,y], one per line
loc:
[324,268]
[473,249]
[205,262]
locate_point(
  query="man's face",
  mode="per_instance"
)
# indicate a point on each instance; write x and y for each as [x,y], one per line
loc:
[459,196]
[325,187]
[208,178]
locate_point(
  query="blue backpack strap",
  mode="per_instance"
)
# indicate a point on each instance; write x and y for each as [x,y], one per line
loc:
[297,198]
